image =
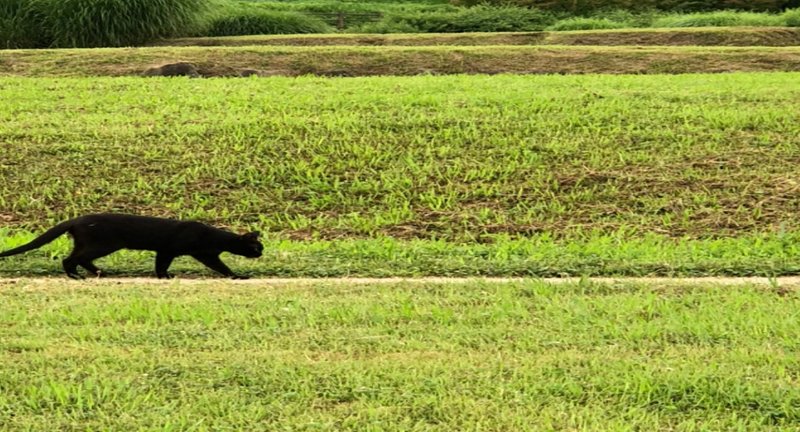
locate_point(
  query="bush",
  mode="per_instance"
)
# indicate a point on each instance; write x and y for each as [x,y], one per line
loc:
[719,19]
[252,22]
[791,17]
[638,19]
[494,19]
[98,23]
[385,26]
[587,24]
[475,19]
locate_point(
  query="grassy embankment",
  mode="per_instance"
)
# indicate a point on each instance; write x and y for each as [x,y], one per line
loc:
[369,61]
[521,356]
[728,50]
[501,175]
[707,36]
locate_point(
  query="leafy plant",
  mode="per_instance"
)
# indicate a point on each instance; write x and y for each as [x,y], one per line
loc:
[586,24]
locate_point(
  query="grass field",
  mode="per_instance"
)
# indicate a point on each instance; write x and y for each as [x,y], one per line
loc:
[523,175]
[470,356]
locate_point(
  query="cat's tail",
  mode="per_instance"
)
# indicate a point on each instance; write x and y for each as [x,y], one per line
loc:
[47,237]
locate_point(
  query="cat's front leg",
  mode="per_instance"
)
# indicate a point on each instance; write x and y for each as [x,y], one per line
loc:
[214,263]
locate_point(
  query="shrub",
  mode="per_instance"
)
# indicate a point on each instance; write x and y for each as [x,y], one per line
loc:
[719,19]
[587,24]
[475,19]
[791,17]
[385,26]
[96,23]
[493,19]
[642,18]
[253,21]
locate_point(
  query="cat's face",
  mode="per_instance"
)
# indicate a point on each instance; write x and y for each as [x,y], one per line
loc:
[250,246]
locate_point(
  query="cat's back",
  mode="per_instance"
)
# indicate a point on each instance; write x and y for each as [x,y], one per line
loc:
[128,224]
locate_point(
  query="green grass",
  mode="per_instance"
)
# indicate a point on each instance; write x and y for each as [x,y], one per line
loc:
[526,175]
[595,254]
[473,356]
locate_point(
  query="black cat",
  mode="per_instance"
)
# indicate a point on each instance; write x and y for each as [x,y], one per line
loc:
[98,235]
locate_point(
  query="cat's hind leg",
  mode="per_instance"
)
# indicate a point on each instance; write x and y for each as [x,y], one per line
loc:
[91,268]
[163,261]
[71,266]
[84,256]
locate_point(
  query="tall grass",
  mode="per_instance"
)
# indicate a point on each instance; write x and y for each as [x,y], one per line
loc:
[256,22]
[95,23]
[23,24]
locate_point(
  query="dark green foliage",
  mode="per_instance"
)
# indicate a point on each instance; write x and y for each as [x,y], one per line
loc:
[22,24]
[254,22]
[475,19]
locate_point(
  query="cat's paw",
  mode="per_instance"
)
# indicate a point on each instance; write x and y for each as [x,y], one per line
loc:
[240,277]
[165,276]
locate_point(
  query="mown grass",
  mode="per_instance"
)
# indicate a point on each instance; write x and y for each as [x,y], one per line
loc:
[524,175]
[402,60]
[471,356]
[778,37]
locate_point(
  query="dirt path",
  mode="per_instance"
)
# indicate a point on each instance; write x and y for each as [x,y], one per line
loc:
[781,281]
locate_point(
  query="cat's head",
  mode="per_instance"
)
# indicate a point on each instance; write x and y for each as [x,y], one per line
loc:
[249,245]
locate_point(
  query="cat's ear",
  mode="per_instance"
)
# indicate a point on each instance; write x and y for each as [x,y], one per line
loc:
[252,235]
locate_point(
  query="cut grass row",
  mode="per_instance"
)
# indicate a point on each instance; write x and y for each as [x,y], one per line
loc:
[475,356]
[397,60]
[733,36]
